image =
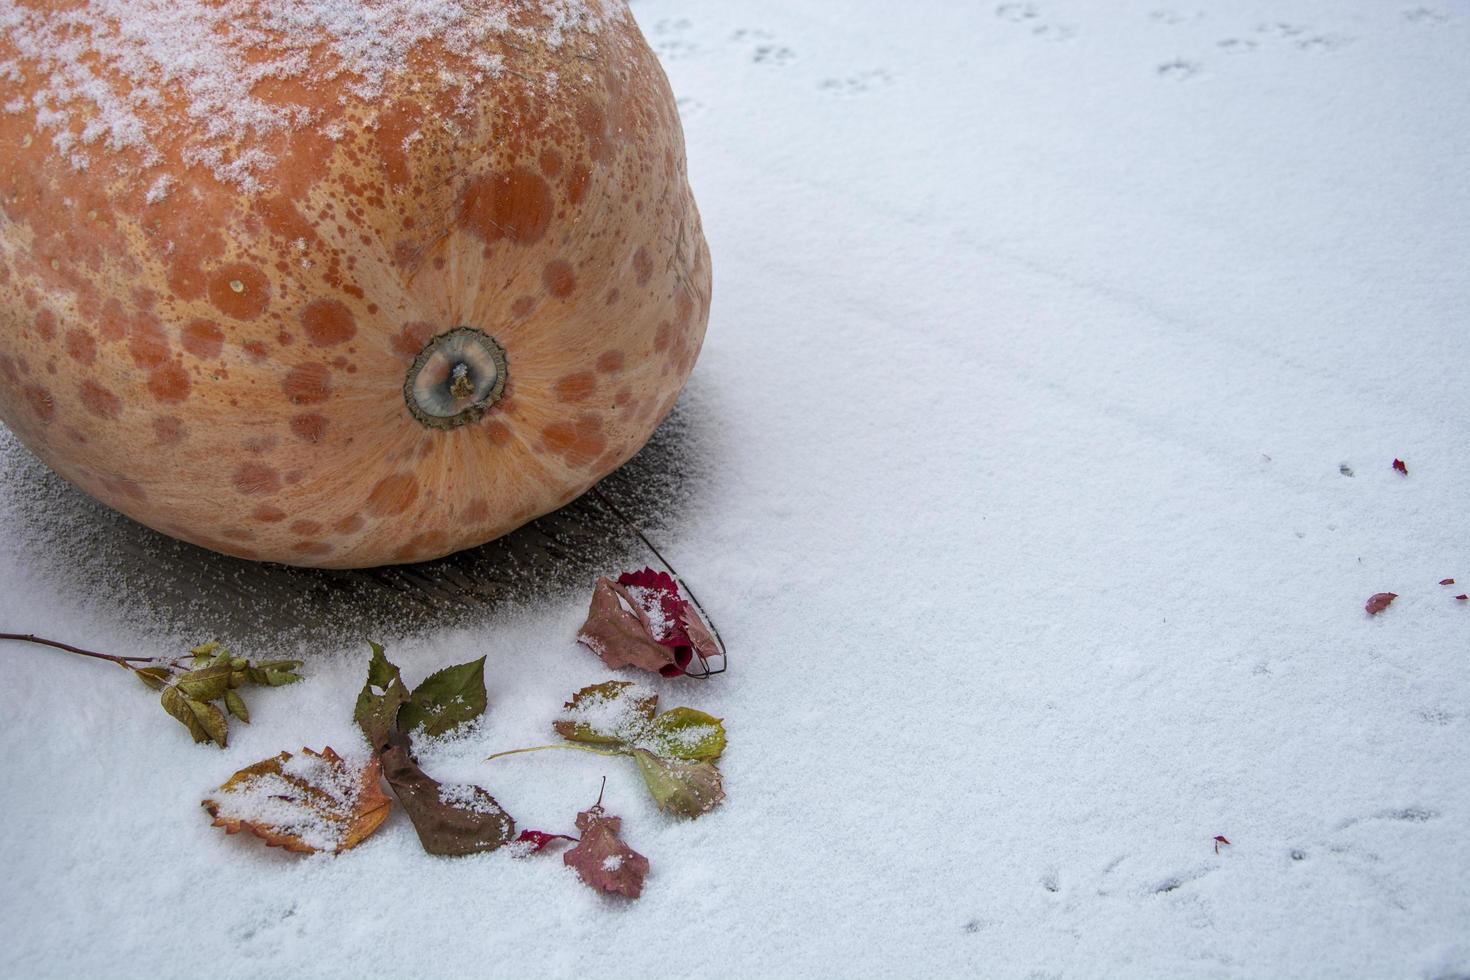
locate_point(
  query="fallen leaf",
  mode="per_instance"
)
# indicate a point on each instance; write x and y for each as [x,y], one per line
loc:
[1462,597]
[450,818]
[305,803]
[684,733]
[1218,841]
[1398,464]
[377,707]
[687,789]
[602,859]
[619,631]
[539,839]
[1379,602]
[1446,581]
[612,713]
[446,699]
[204,720]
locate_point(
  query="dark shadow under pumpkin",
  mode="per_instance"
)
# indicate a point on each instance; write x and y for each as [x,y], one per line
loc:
[133,574]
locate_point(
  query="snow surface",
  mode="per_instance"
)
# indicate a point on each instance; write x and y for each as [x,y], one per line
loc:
[1043,338]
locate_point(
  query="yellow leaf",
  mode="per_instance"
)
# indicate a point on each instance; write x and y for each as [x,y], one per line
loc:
[306,803]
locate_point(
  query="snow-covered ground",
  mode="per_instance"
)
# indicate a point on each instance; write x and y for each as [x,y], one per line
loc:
[1042,444]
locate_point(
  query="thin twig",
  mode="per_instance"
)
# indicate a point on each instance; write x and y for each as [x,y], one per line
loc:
[543,748]
[113,658]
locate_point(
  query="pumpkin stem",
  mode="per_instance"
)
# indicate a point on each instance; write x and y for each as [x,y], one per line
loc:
[455,378]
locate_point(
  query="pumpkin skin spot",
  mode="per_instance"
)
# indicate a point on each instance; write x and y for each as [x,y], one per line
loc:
[328,323]
[168,430]
[499,433]
[41,402]
[46,324]
[238,533]
[576,387]
[311,547]
[349,524]
[515,206]
[253,479]
[522,306]
[610,362]
[203,339]
[169,383]
[239,291]
[413,338]
[309,428]
[392,495]
[642,266]
[81,347]
[100,401]
[308,384]
[267,514]
[558,279]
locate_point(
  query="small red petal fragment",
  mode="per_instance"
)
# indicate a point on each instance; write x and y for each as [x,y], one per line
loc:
[1398,464]
[538,839]
[1221,840]
[1462,597]
[1379,602]
[1446,581]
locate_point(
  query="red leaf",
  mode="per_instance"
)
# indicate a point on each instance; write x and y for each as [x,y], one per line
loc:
[1379,602]
[1462,597]
[1398,464]
[1221,840]
[538,839]
[602,859]
[641,621]
[1446,581]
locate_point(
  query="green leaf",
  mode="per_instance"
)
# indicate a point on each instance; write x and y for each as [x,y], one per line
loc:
[684,733]
[686,789]
[206,683]
[446,699]
[236,706]
[178,706]
[273,673]
[613,713]
[211,719]
[377,707]
[155,677]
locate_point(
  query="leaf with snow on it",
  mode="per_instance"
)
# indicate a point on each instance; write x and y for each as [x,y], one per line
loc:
[619,631]
[446,699]
[1379,602]
[602,859]
[684,733]
[611,713]
[376,712]
[305,803]
[686,789]
[450,818]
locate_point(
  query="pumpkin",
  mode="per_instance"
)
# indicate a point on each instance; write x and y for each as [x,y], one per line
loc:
[337,283]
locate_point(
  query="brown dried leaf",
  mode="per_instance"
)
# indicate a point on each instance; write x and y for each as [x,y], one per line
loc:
[306,803]
[452,818]
[602,859]
[619,631]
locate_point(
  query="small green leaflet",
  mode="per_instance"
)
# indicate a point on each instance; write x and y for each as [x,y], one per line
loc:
[189,689]
[377,707]
[446,699]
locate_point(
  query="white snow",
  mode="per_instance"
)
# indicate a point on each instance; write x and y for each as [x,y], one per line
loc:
[1040,334]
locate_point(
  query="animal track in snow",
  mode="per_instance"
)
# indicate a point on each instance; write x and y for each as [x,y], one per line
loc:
[764,49]
[1027,14]
[863,81]
[1179,69]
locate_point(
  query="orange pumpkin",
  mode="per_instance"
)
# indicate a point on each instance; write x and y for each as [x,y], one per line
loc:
[341,284]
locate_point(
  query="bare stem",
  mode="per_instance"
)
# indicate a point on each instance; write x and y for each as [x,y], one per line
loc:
[543,748]
[112,658]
